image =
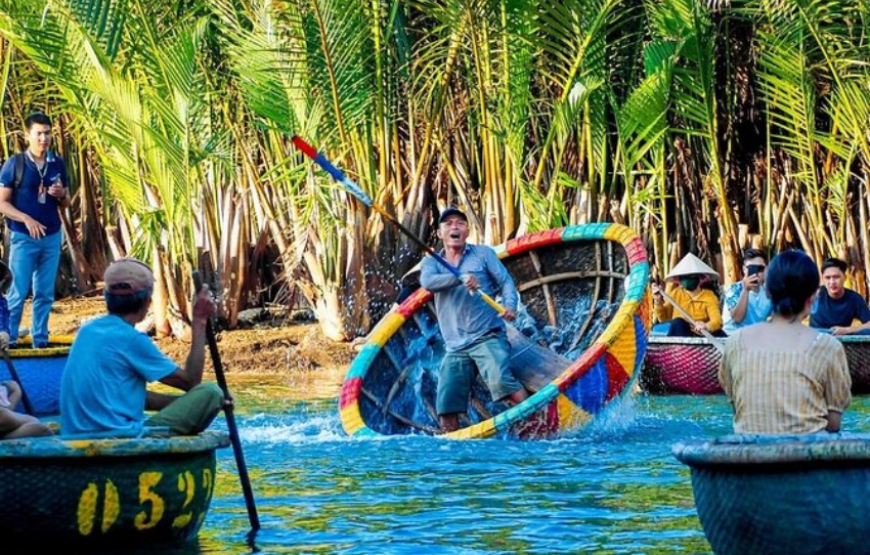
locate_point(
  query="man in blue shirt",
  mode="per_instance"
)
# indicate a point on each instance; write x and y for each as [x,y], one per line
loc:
[746,302]
[31,210]
[474,333]
[836,307]
[103,390]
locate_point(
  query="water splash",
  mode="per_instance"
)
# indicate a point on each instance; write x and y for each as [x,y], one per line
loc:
[565,339]
[265,429]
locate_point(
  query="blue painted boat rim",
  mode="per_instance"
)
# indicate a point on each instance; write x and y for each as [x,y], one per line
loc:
[760,450]
[58,448]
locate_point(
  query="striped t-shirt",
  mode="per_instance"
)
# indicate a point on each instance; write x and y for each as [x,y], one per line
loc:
[785,392]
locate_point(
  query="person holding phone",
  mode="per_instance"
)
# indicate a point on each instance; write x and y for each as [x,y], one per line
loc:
[747,302]
[33,185]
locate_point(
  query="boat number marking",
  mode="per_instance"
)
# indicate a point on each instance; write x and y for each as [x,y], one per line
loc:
[153,505]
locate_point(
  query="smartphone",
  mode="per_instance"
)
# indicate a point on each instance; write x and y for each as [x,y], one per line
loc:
[755,269]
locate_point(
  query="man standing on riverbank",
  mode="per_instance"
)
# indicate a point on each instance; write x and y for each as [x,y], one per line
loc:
[836,307]
[33,185]
[474,333]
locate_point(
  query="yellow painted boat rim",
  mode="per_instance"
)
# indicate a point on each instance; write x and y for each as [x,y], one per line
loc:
[60,345]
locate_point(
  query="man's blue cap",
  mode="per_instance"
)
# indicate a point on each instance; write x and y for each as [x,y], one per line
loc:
[451,211]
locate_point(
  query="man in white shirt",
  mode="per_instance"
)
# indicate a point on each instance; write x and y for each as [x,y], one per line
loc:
[746,301]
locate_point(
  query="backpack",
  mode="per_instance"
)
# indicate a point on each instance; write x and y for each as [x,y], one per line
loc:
[16,182]
[19,169]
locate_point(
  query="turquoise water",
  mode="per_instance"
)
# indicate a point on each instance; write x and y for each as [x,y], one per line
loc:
[612,489]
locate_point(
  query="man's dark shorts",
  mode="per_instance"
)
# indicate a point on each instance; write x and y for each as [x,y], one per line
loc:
[491,355]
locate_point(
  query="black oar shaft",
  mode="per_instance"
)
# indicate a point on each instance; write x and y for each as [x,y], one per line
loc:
[13,373]
[229,413]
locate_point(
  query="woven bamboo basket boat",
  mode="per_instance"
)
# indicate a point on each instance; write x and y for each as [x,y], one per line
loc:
[40,371]
[390,386]
[776,495]
[86,494]
[690,365]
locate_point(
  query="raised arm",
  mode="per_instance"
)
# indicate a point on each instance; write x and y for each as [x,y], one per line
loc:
[433,279]
[191,375]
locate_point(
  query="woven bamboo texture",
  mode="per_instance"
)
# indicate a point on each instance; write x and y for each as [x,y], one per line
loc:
[681,365]
[858,353]
[778,495]
[40,371]
[74,496]
[689,365]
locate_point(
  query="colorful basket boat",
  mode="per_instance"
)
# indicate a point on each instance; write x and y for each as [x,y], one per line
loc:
[690,365]
[772,495]
[681,365]
[390,386]
[86,494]
[40,371]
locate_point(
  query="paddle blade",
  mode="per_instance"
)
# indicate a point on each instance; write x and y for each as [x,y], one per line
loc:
[336,173]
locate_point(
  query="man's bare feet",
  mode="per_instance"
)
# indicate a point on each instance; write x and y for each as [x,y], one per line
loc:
[449,422]
[517,397]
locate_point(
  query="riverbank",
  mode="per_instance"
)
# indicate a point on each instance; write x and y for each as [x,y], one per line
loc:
[273,346]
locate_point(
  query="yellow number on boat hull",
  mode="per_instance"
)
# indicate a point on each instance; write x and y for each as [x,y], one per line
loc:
[87,509]
[154,507]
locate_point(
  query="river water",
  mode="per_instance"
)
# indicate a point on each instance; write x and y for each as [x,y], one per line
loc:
[614,488]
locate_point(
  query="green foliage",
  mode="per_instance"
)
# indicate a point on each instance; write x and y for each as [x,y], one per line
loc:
[688,120]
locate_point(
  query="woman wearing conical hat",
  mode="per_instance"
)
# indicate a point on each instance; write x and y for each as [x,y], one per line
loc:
[685,289]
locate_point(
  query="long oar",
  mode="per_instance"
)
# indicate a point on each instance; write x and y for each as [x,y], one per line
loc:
[231,419]
[13,373]
[719,344]
[357,191]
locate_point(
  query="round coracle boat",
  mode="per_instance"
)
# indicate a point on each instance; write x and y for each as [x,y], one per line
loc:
[776,495]
[40,372]
[690,365]
[576,347]
[93,493]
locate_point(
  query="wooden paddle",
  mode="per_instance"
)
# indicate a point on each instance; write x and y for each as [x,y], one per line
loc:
[25,400]
[354,189]
[253,517]
[719,344]
[534,365]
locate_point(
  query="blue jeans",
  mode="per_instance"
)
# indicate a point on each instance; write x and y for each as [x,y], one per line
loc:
[32,261]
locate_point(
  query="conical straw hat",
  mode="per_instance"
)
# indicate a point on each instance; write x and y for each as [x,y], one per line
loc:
[691,264]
